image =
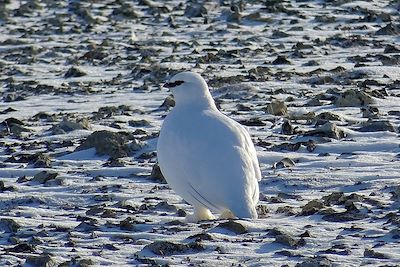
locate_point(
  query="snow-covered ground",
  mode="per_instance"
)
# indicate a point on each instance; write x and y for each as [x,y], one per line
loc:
[317,84]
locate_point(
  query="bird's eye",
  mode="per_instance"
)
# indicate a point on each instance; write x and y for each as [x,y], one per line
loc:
[173,84]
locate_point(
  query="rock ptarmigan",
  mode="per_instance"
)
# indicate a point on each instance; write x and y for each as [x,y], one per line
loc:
[206,157]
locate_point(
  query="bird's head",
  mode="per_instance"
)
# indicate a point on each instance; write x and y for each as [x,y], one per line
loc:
[189,88]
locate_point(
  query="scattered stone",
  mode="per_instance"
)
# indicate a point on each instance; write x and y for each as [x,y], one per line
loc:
[287,128]
[7,110]
[353,98]
[252,122]
[377,126]
[193,10]
[288,240]
[389,29]
[68,126]
[335,198]
[166,248]
[281,60]
[138,123]
[328,129]
[168,103]
[369,253]
[22,248]
[74,72]
[41,160]
[44,260]
[233,226]
[345,216]
[286,146]
[14,126]
[109,143]
[284,163]
[277,108]
[262,211]
[311,207]
[9,225]
[286,210]
[201,236]
[44,176]
[125,11]
[328,116]
[317,261]
[235,91]
[370,112]
[127,224]
[156,173]
[164,205]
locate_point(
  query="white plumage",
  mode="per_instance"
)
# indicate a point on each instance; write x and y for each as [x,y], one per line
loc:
[206,157]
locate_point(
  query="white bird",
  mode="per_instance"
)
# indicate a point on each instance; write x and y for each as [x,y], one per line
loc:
[207,158]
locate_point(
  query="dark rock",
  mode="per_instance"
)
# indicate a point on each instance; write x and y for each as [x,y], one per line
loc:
[328,116]
[74,72]
[353,98]
[193,10]
[201,237]
[389,29]
[315,262]
[233,226]
[43,260]
[391,49]
[252,122]
[127,224]
[262,211]
[164,205]
[345,216]
[9,225]
[68,126]
[286,146]
[166,248]
[287,128]
[41,160]
[334,198]
[277,108]
[94,54]
[14,126]
[125,11]
[377,126]
[279,34]
[370,112]
[22,248]
[286,210]
[311,207]
[44,176]
[156,174]
[138,123]
[283,163]
[289,241]
[109,143]
[369,253]
[168,103]
[7,110]
[281,60]
[328,129]
[311,145]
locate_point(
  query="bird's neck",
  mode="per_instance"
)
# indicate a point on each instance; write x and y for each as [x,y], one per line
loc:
[200,102]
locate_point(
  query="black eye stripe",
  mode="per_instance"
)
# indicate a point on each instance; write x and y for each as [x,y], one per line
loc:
[173,84]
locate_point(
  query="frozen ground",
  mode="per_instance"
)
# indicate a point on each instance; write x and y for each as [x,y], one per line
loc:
[318,87]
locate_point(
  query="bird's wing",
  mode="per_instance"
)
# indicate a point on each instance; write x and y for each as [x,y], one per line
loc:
[251,151]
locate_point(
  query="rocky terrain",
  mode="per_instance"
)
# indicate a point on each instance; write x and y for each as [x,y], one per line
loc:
[317,83]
